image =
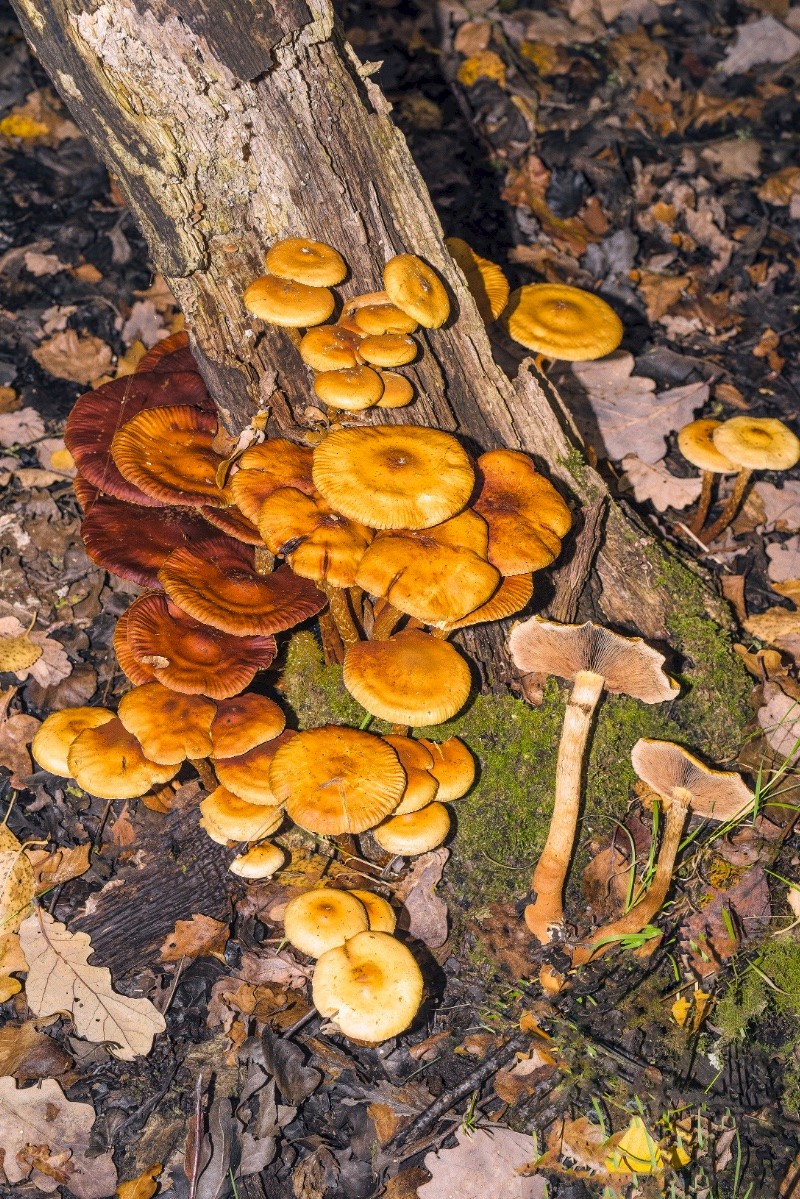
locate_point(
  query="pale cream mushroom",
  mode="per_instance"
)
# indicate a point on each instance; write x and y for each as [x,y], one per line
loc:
[596,660]
[370,988]
[323,919]
[686,786]
[380,912]
[262,861]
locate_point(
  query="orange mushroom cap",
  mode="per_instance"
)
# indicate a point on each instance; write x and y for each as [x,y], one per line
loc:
[317,542]
[136,671]
[247,774]
[169,355]
[412,678]
[352,390]
[514,592]
[132,541]
[306,261]
[265,468]
[109,762]
[233,522]
[55,735]
[485,280]
[453,766]
[388,349]
[563,322]
[329,348]
[168,454]
[226,817]
[416,289]
[527,518]
[382,316]
[287,303]
[397,391]
[242,723]
[170,727]
[417,760]
[415,832]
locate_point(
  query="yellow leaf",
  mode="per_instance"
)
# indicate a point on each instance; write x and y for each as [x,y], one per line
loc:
[17,125]
[143,1187]
[637,1152]
[16,882]
[680,1011]
[485,65]
[18,653]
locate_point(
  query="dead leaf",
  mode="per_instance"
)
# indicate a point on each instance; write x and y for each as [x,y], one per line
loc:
[483,65]
[778,627]
[43,264]
[784,560]
[661,292]
[68,356]
[16,733]
[636,1152]
[142,1187]
[578,1143]
[16,882]
[484,1162]
[26,1053]
[427,911]
[41,1118]
[779,717]
[40,118]
[472,37]
[655,483]
[743,907]
[12,961]
[60,979]
[159,293]
[762,41]
[781,505]
[734,158]
[60,866]
[144,324]
[54,456]
[20,427]
[605,883]
[31,654]
[195,938]
[780,188]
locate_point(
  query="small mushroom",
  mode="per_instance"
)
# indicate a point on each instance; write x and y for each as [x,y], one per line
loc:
[169,726]
[750,443]
[289,304]
[226,817]
[352,389]
[485,280]
[329,348]
[243,722]
[264,468]
[388,349]
[262,861]
[305,261]
[415,288]
[416,832]
[411,678]
[397,390]
[562,322]
[55,736]
[596,660]
[370,987]
[323,919]
[108,761]
[421,784]
[246,774]
[695,442]
[380,912]
[687,787]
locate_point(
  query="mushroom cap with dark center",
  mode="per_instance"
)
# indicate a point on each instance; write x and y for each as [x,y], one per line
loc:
[485,280]
[672,771]
[394,476]
[130,666]
[415,288]
[168,453]
[527,518]
[132,541]
[169,355]
[242,723]
[329,348]
[226,817]
[562,322]
[322,919]
[317,542]
[287,303]
[247,774]
[108,761]
[99,415]
[695,442]
[216,581]
[306,261]
[514,592]
[55,735]
[411,678]
[191,657]
[352,389]
[757,443]
[170,727]
[627,665]
[264,468]
[337,780]
[370,988]
[436,575]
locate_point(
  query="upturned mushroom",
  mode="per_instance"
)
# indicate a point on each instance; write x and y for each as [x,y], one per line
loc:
[750,443]
[596,660]
[687,787]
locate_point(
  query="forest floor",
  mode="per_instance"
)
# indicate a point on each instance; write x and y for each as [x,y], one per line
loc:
[643,150]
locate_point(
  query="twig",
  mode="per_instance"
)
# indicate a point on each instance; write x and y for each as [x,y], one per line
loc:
[194,1140]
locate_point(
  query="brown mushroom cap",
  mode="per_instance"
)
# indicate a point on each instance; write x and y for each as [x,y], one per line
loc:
[627,664]
[247,774]
[412,678]
[305,261]
[393,476]
[265,468]
[485,280]
[216,582]
[415,288]
[323,919]
[191,657]
[329,348]
[284,302]
[370,988]
[417,832]
[136,671]
[262,861]
[757,443]
[168,454]
[317,542]
[383,317]
[56,734]
[388,349]
[232,522]
[107,761]
[437,574]
[397,391]
[169,355]
[514,592]
[225,818]
[527,518]
[132,541]
[337,780]
[695,442]
[169,727]
[563,322]
[380,912]
[453,767]
[669,769]
[85,493]
[421,784]
[242,723]
[352,390]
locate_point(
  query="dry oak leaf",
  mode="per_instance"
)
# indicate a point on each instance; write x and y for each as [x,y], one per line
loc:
[68,356]
[16,882]
[12,961]
[762,41]
[25,654]
[779,188]
[27,1053]
[58,866]
[655,483]
[779,717]
[20,427]
[484,1162]
[195,938]
[781,505]
[784,561]
[16,733]
[143,1187]
[47,1139]
[734,158]
[778,627]
[60,979]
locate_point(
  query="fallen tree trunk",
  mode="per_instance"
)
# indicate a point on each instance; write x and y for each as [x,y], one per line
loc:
[230,125]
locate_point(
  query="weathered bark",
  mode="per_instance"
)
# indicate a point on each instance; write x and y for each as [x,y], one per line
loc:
[229,125]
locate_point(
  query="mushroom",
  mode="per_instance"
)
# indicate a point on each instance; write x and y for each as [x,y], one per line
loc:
[242,723]
[415,288]
[232,521]
[169,355]
[562,322]
[381,316]
[329,348]
[394,476]
[415,832]
[527,518]
[421,784]
[370,987]
[264,468]
[453,767]
[246,774]
[337,780]
[323,919]
[596,660]
[133,541]
[55,735]
[168,453]
[262,861]
[289,304]
[411,678]
[130,666]
[380,912]
[108,761]
[695,442]
[750,443]
[226,817]
[388,349]
[305,261]
[397,391]
[514,592]
[353,389]
[170,727]
[687,787]
[485,280]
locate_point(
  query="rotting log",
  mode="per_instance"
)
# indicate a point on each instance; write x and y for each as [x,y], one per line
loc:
[229,125]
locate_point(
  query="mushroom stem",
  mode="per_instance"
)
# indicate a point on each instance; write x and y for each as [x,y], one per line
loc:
[704,503]
[641,915]
[547,910]
[207,776]
[731,508]
[342,616]
[332,644]
[386,621]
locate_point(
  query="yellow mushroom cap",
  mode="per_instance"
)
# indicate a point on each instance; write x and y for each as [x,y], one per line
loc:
[380,912]
[352,390]
[284,302]
[169,726]
[54,737]
[329,348]
[370,987]
[418,832]
[226,817]
[411,678]
[317,542]
[421,784]
[695,442]
[337,780]
[485,280]
[262,861]
[757,443]
[453,767]
[247,774]
[415,288]
[527,518]
[563,322]
[107,761]
[394,476]
[397,391]
[388,349]
[306,261]
[243,722]
[323,919]
[383,317]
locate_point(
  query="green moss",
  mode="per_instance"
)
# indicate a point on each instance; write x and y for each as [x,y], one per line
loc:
[314,691]
[770,983]
[574,462]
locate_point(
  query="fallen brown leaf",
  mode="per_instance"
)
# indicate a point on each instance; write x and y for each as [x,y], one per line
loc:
[195,938]
[16,733]
[143,1187]
[59,866]
[427,911]
[68,356]
[26,1053]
